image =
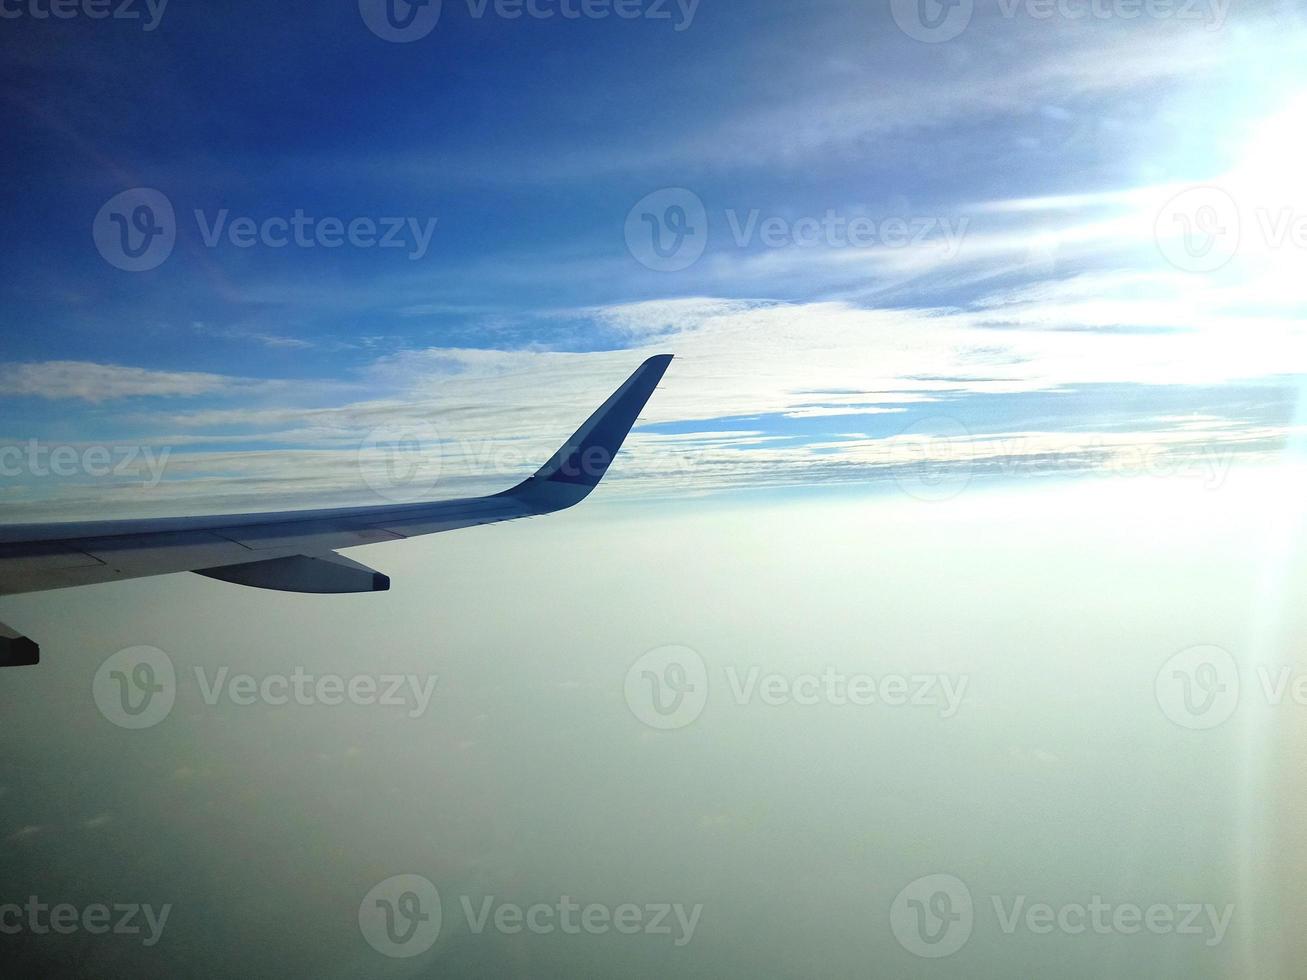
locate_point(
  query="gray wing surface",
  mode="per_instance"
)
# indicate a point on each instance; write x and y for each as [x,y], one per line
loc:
[295,551]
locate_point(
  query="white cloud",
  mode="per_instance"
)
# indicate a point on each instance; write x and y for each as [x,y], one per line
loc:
[92,382]
[498,414]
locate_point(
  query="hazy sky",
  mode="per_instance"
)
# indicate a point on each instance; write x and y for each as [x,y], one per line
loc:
[1065,771]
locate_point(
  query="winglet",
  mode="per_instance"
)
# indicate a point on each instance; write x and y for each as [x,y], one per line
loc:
[581,462]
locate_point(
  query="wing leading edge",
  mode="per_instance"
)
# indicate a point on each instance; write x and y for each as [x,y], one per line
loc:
[294,551]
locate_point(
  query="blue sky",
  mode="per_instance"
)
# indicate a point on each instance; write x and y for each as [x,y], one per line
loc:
[1014,187]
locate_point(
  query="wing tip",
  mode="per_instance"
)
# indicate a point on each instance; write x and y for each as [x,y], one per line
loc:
[659,363]
[573,472]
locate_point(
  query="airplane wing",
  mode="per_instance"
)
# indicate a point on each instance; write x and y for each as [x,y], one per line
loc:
[295,551]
